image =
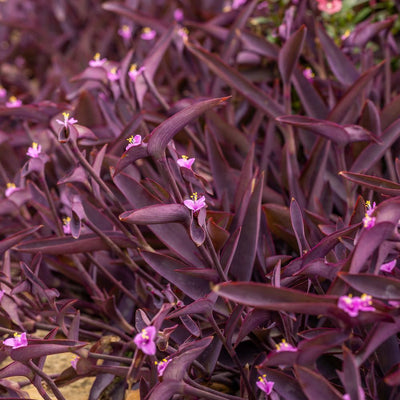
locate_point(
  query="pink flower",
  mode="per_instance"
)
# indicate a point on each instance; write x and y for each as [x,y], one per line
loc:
[178,15]
[284,346]
[3,92]
[184,34]
[346,397]
[388,267]
[114,74]
[264,385]
[353,305]
[67,225]
[133,142]
[125,32]
[195,204]
[368,220]
[134,72]
[145,340]
[185,162]
[97,61]
[74,361]
[369,209]
[67,121]
[34,151]
[11,188]
[237,3]
[308,74]
[394,303]
[148,33]
[161,366]
[13,102]
[19,340]
[366,303]
[330,6]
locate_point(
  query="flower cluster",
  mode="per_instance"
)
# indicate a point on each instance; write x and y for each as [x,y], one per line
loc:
[369,220]
[145,340]
[353,305]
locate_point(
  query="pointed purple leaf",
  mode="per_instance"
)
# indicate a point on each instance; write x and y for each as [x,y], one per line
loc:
[157,214]
[13,240]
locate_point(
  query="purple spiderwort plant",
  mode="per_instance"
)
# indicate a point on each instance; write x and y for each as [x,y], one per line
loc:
[66,225]
[134,72]
[19,340]
[353,305]
[369,220]
[11,188]
[284,346]
[114,74]
[125,32]
[145,340]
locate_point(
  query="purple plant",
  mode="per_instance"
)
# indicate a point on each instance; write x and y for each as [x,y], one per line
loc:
[268,269]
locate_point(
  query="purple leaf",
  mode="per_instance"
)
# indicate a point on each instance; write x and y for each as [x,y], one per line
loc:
[16,238]
[351,376]
[298,226]
[130,156]
[166,389]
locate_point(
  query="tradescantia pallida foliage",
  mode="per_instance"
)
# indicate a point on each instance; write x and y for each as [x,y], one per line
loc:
[201,200]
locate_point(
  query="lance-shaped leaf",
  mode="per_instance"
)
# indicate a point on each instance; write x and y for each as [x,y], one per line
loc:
[391,112]
[187,353]
[168,268]
[69,245]
[298,226]
[98,162]
[16,369]
[130,156]
[166,389]
[165,132]
[12,240]
[370,118]
[339,64]
[351,376]
[290,53]
[229,75]
[380,185]
[376,286]
[157,214]
[315,386]
[267,297]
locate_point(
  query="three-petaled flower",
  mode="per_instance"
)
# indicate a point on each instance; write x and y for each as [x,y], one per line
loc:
[134,72]
[113,74]
[34,150]
[284,346]
[67,120]
[19,340]
[13,102]
[369,220]
[161,365]
[133,141]
[145,340]
[125,31]
[353,305]
[148,33]
[264,385]
[308,74]
[11,188]
[196,203]
[186,162]
[97,61]
[67,225]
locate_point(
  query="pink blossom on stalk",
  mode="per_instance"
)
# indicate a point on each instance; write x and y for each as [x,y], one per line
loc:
[125,32]
[67,121]
[186,162]
[114,74]
[264,385]
[19,340]
[284,346]
[195,204]
[237,3]
[13,102]
[3,92]
[74,361]
[34,150]
[308,74]
[133,141]
[178,15]
[11,188]
[330,6]
[97,61]
[161,365]
[148,33]
[368,220]
[388,267]
[145,340]
[184,34]
[134,72]
[67,225]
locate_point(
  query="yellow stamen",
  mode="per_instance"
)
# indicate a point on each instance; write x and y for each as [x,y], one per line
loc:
[10,185]
[96,57]
[146,30]
[12,99]
[66,220]
[125,28]
[34,145]
[194,196]
[133,68]
[185,157]
[114,70]
[65,115]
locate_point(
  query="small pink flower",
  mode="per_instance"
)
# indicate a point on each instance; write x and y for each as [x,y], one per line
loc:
[366,303]
[353,305]
[13,102]
[19,340]
[97,61]
[134,72]
[148,33]
[185,162]
[178,15]
[237,3]
[330,6]
[368,220]
[369,209]
[161,365]
[11,188]
[284,346]
[145,340]
[394,303]
[34,151]
[264,385]
[195,204]
[308,74]
[125,32]
[67,225]
[184,34]
[388,267]
[74,361]
[133,142]
[3,92]
[67,121]
[114,74]
[346,397]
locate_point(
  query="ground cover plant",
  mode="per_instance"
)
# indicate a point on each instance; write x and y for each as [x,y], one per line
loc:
[201,200]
